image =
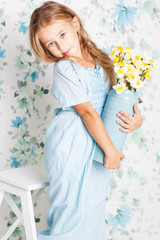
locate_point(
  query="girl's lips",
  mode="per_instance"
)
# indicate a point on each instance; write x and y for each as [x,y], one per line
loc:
[67,51]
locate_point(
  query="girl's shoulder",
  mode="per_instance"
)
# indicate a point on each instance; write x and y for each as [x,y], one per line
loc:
[64,65]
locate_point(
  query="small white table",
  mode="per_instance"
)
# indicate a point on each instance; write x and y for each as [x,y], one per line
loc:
[20,182]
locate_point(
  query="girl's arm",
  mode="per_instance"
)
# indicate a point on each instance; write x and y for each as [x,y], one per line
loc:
[97,130]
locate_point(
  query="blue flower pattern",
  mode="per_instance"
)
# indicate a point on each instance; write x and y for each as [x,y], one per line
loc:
[126,15]
[18,122]
[122,218]
[15,163]
[34,76]
[2,52]
[22,27]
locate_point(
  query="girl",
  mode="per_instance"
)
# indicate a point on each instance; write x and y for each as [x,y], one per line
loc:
[82,77]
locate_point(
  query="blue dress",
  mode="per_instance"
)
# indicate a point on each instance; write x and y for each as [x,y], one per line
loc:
[78,184]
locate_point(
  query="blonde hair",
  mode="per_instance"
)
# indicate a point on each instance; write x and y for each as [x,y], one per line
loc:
[52,11]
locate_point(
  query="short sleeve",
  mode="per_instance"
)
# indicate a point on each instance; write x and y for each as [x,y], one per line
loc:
[67,87]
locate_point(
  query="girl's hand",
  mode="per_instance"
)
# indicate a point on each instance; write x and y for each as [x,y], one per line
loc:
[130,123]
[112,159]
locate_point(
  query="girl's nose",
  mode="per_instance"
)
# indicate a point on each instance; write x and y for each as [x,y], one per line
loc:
[61,47]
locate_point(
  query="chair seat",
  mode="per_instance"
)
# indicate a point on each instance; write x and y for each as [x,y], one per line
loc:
[21,182]
[28,178]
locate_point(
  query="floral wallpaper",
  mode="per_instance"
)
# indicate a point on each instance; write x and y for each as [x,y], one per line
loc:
[26,109]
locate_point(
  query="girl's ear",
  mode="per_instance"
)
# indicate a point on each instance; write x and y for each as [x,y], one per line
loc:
[75,23]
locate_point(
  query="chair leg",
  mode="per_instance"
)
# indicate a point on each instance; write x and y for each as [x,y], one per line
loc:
[28,216]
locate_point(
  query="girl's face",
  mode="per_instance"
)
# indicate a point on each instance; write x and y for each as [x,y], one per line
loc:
[61,38]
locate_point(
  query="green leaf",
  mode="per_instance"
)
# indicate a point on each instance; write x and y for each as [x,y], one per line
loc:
[45,66]
[143,180]
[12,214]
[37,220]
[33,140]
[132,174]
[1,82]
[1,12]
[14,197]
[10,133]
[16,94]
[46,91]
[42,145]
[149,5]
[29,53]
[9,224]
[136,202]
[16,232]
[43,74]
[21,48]
[3,23]
[156,54]
[21,84]
[48,108]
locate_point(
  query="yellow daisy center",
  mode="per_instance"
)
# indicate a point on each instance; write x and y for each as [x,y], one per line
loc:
[128,48]
[131,77]
[113,52]
[147,75]
[120,71]
[129,54]
[116,60]
[118,212]
[120,89]
[151,61]
[120,49]
[121,64]
[137,57]
[144,64]
[129,69]
[148,70]
[138,83]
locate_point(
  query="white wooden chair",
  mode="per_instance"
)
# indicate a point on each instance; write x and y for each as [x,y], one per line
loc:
[20,182]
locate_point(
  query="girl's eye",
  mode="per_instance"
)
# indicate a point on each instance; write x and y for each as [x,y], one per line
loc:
[62,35]
[50,44]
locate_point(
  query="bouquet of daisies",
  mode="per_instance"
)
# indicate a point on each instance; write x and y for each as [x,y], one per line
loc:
[131,71]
